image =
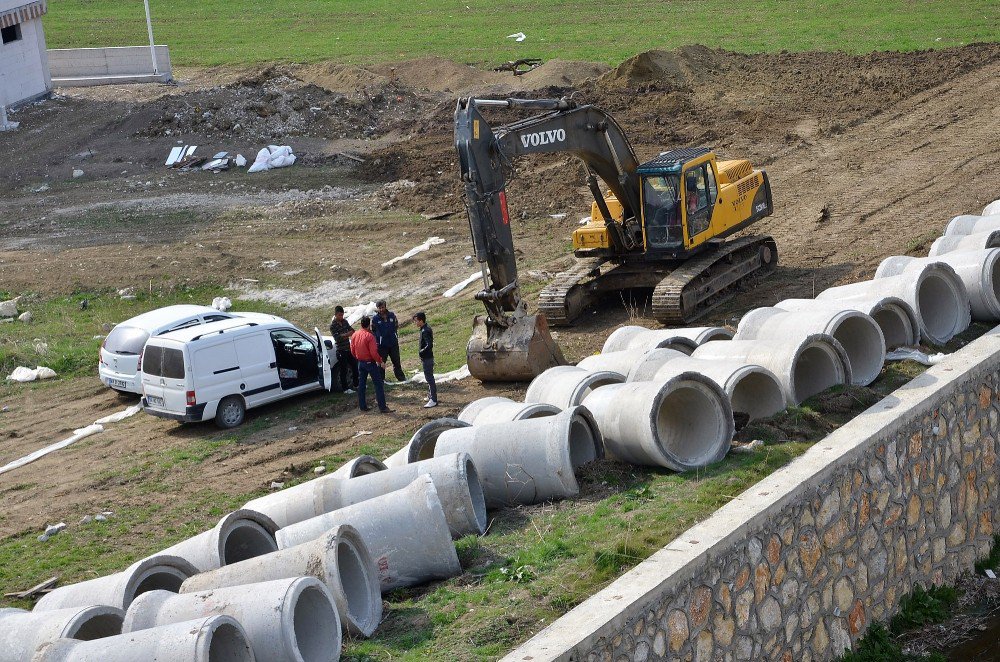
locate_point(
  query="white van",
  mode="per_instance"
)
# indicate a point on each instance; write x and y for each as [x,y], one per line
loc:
[221,369]
[118,364]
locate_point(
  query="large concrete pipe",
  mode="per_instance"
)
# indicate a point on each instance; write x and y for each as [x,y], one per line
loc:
[504,410]
[421,444]
[684,340]
[804,366]
[992,209]
[339,558]
[286,620]
[620,337]
[161,572]
[528,461]
[22,632]
[753,390]
[681,423]
[935,292]
[969,242]
[969,224]
[359,466]
[238,536]
[651,362]
[473,409]
[858,333]
[979,271]
[455,478]
[566,386]
[896,318]
[620,361]
[406,532]
[213,639]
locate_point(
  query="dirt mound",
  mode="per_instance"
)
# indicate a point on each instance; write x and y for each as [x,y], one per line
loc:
[341,78]
[677,69]
[561,73]
[436,74]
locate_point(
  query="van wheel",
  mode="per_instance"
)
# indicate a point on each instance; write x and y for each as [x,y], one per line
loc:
[231,412]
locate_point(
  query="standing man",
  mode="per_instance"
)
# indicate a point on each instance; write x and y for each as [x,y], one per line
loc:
[365,350]
[341,330]
[426,354]
[385,326]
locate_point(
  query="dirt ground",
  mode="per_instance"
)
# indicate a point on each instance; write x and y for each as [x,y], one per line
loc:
[868,156]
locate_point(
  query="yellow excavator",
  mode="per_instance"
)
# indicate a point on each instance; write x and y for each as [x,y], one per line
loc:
[660,225]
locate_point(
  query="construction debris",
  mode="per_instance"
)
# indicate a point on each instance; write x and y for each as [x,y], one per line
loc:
[51,530]
[272,156]
[22,374]
[178,154]
[37,589]
[519,67]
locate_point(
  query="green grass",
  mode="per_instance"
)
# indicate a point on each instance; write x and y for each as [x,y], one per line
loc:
[212,32]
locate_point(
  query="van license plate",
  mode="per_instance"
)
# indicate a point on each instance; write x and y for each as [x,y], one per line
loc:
[154,401]
[117,383]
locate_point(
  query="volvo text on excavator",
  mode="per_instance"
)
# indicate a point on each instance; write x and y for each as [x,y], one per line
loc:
[661,225]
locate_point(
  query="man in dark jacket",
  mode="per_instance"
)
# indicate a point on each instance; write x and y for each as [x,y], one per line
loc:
[385,326]
[426,354]
[341,330]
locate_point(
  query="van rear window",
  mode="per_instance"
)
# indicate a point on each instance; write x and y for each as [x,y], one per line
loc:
[126,340]
[163,362]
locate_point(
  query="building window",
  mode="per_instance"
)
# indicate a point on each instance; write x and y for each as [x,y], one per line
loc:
[13,33]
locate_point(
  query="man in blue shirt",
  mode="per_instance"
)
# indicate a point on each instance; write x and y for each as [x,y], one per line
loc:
[385,326]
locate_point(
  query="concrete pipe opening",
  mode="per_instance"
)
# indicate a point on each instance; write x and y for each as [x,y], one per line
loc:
[228,644]
[476,493]
[102,622]
[596,384]
[314,625]
[244,540]
[357,589]
[689,423]
[991,281]
[938,307]
[582,445]
[897,329]
[154,575]
[817,368]
[757,394]
[423,442]
[865,347]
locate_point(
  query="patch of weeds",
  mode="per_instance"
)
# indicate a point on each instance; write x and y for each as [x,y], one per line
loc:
[992,560]
[924,606]
[878,646]
[610,563]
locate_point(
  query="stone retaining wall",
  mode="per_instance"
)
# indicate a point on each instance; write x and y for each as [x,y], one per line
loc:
[92,63]
[800,565]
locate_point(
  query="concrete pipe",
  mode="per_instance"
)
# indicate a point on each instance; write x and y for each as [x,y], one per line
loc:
[935,292]
[895,318]
[359,466]
[968,224]
[620,361]
[682,423]
[406,532]
[620,337]
[804,366]
[160,572]
[992,209]
[421,444]
[505,412]
[22,632]
[651,362]
[979,271]
[752,390]
[286,620]
[455,477]
[339,558]
[474,408]
[238,536]
[858,333]
[528,461]
[683,340]
[213,639]
[969,242]
[566,386]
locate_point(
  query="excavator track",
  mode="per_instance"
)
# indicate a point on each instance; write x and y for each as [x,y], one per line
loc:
[567,295]
[708,280]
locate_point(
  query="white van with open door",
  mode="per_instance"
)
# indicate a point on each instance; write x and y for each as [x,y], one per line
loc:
[219,370]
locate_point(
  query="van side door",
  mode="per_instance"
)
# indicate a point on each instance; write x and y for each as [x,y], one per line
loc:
[258,370]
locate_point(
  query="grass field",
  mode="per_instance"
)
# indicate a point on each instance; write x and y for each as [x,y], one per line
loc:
[214,32]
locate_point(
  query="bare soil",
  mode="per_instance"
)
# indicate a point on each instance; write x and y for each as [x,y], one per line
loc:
[868,157]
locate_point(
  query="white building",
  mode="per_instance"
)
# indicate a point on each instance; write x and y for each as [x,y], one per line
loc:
[24,65]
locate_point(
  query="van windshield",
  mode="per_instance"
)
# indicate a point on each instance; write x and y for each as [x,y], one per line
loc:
[126,340]
[163,362]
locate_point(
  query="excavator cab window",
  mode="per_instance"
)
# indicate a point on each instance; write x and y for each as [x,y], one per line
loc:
[699,198]
[661,206]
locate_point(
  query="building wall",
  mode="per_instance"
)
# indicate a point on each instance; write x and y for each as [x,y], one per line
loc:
[24,72]
[112,61]
[800,565]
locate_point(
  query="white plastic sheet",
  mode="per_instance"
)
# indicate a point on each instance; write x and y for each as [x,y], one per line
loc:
[120,416]
[222,303]
[22,374]
[353,314]
[458,287]
[79,434]
[432,241]
[442,378]
[914,354]
[272,156]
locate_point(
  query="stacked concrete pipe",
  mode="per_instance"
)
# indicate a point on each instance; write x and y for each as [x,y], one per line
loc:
[684,340]
[979,271]
[238,536]
[406,532]
[895,318]
[963,243]
[566,386]
[421,444]
[651,362]
[531,460]
[286,620]
[934,291]
[339,558]
[992,209]
[804,366]
[455,477]
[859,334]
[619,361]
[503,410]
[359,466]
[969,224]
[22,632]
[212,639]
[753,390]
[162,572]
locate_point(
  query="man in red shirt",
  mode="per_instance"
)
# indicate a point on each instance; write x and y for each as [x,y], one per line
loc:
[365,349]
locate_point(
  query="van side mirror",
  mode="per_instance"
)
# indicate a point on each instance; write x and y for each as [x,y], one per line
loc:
[328,344]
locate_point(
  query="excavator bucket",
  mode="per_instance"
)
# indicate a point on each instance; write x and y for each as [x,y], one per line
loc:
[514,353]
